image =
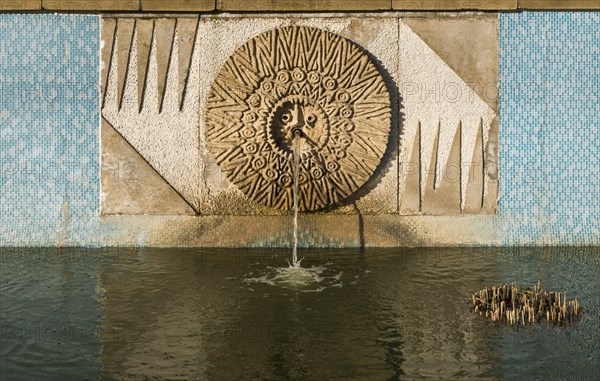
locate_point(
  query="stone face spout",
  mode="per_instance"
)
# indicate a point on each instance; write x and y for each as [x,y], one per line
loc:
[336,106]
[297,132]
[298,117]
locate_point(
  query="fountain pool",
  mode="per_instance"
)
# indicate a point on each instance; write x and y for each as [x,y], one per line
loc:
[239,315]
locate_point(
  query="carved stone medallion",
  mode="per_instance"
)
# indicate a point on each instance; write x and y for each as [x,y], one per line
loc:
[304,81]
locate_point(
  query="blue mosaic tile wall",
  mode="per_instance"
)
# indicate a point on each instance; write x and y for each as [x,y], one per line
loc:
[49,128]
[550,127]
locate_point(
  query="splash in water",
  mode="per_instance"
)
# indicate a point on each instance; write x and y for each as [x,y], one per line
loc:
[311,279]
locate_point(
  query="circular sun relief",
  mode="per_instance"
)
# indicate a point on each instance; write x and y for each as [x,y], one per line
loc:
[306,82]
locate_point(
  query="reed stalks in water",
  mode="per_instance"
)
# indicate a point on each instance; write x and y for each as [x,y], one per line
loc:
[508,303]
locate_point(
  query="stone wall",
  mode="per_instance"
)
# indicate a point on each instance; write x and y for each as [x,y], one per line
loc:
[100,147]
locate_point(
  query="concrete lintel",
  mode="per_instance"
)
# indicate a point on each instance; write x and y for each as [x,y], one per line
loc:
[304,5]
[559,4]
[20,5]
[143,7]
[91,5]
[456,5]
[179,5]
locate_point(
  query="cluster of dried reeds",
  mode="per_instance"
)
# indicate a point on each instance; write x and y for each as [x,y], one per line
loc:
[507,303]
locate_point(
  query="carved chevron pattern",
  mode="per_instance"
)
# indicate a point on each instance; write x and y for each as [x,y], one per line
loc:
[159,32]
[443,196]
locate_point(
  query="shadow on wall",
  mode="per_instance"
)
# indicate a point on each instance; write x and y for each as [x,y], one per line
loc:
[391,152]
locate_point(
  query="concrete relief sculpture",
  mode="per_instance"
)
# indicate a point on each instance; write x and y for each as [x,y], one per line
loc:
[305,81]
[207,116]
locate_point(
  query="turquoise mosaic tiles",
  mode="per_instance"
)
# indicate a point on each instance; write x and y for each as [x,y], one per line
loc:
[49,122]
[550,127]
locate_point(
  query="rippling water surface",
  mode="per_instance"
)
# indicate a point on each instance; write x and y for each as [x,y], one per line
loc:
[245,315]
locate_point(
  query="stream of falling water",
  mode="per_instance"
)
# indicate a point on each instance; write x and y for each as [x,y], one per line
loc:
[294,276]
[296,170]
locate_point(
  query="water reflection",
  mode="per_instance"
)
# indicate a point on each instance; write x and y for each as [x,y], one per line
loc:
[384,316]
[48,315]
[425,326]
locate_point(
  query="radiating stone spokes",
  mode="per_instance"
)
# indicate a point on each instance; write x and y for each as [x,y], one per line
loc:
[307,78]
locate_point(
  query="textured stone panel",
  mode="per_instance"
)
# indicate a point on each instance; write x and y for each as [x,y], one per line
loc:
[130,185]
[305,5]
[283,94]
[469,46]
